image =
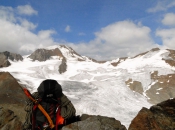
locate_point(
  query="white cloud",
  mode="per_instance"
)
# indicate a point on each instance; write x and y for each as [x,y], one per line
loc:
[16,35]
[81,34]
[67,29]
[6,13]
[162,6]
[119,39]
[167,36]
[171,4]
[26,24]
[169,19]
[26,10]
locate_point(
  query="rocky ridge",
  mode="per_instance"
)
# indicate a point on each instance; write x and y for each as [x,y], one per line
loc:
[161,86]
[6,56]
[61,51]
[43,54]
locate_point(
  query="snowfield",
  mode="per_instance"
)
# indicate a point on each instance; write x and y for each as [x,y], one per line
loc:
[94,88]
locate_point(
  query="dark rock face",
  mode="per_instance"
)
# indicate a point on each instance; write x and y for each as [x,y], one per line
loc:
[4,63]
[12,56]
[171,59]
[8,121]
[158,117]
[43,54]
[40,55]
[4,56]
[11,91]
[135,86]
[95,123]
[162,89]
[63,66]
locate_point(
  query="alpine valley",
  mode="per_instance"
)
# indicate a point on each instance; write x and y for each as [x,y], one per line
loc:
[118,88]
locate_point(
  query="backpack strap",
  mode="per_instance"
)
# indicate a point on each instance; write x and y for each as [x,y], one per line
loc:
[29,95]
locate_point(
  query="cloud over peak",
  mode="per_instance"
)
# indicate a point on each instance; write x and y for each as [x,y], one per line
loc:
[124,38]
[124,32]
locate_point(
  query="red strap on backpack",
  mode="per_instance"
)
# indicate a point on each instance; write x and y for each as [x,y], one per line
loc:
[59,119]
[33,117]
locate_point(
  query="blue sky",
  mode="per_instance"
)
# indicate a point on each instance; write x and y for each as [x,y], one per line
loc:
[101,29]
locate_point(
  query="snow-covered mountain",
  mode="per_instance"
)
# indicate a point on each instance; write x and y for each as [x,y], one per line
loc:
[117,88]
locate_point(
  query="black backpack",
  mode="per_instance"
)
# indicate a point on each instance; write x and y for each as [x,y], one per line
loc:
[54,102]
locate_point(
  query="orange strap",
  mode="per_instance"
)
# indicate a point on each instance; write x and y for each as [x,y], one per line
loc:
[40,107]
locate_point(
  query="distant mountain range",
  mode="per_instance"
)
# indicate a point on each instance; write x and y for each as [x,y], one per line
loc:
[127,83]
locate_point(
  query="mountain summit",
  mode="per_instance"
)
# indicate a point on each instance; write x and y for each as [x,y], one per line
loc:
[60,51]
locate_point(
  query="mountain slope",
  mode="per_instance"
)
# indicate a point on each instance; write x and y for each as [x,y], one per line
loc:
[155,73]
[117,88]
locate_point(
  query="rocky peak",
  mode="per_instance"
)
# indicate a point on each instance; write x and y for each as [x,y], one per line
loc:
[155,49]
[62,51]
[144,53]
[44,54]
[13,56]
[71,51]
[6,56]
[170,58]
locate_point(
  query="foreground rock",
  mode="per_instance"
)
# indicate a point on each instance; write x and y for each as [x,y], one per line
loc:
[11,92]
[12,95]
[158,117]
[95,123]
[8,121]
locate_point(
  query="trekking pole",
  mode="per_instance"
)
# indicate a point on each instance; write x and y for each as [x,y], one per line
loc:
[29,95]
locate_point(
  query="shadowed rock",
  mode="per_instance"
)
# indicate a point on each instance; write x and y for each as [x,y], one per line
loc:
[40,55]
[171,58]
[95,123]
[63,66]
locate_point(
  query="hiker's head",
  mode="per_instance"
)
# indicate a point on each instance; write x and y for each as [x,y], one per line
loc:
[50,89]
